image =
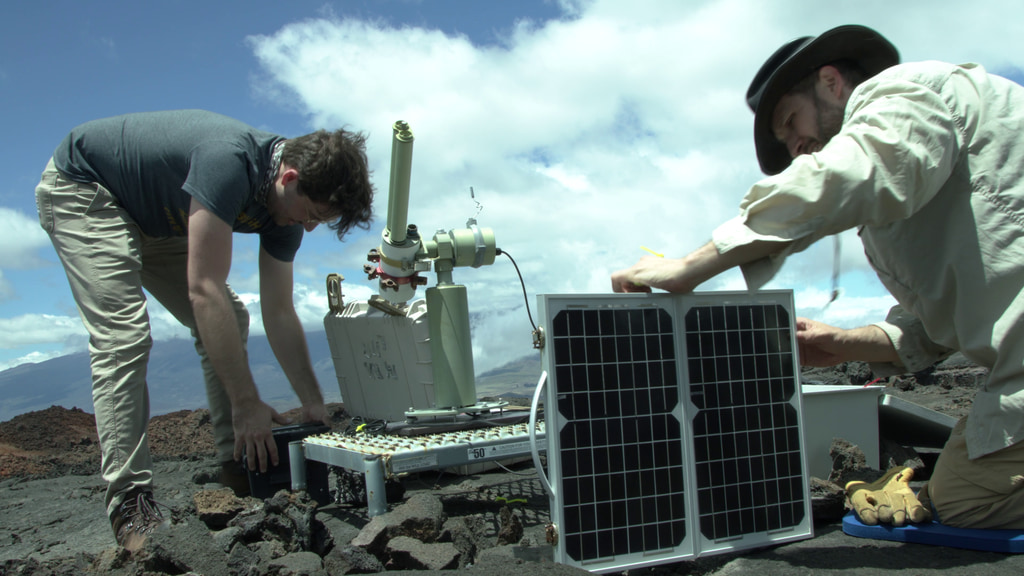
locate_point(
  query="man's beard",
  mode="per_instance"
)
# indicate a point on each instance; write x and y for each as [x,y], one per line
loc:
[830,118]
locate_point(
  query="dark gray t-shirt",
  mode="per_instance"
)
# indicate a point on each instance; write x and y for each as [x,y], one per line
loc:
[154,163]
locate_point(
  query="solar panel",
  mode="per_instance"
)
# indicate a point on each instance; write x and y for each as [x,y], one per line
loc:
[673,426]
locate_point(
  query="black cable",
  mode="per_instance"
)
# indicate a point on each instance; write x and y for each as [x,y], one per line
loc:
[521,283]
[358,425]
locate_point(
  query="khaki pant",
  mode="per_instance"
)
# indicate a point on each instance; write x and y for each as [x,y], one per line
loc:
[987,492]
[108,262]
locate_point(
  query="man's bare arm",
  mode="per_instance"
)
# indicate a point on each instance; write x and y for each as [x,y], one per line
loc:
[823,345]
[686,273]
[286,336]
[209,261]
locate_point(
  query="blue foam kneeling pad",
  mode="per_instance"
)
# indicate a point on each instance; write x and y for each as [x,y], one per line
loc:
[1009,541]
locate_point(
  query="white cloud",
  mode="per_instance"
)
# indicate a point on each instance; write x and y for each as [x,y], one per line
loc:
[21,238]
[30,358]
[311,302]
[33,329]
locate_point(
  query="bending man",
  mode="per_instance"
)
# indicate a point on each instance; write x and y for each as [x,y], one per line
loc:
[150,201]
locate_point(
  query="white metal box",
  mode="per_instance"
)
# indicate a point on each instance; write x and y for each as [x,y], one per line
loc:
[383,361]
[847,412]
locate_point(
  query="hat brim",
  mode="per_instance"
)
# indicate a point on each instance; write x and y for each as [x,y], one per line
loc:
[872,52]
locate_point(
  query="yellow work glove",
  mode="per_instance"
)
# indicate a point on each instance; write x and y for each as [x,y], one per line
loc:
[888,499]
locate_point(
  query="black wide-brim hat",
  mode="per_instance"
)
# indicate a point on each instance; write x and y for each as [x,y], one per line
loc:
[794,62]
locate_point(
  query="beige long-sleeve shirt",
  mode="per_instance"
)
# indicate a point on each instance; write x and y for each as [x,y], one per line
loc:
[929,165]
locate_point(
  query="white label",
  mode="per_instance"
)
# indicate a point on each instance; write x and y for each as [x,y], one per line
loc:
[497,451]
[405,464]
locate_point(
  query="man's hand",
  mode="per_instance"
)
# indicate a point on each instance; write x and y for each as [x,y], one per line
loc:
[628,280]
[252,424]
[683,275]
[651,272]
[887,500]
[819,344]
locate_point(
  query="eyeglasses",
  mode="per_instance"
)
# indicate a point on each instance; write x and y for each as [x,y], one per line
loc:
[312,217]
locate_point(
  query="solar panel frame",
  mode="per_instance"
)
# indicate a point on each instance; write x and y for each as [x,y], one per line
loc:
[651,450]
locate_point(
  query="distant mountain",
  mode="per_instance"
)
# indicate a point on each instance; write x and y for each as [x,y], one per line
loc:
[176,379]
[63,381]
[517,378]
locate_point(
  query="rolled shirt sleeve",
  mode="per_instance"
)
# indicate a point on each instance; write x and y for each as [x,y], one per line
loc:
[908,337]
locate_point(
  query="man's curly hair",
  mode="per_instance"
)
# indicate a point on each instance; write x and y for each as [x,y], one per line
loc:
[333,171]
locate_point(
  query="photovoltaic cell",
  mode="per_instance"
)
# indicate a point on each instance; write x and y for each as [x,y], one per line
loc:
[622,473]
[746,433]
[673,426]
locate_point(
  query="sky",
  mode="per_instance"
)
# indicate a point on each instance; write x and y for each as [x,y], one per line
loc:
[586,130]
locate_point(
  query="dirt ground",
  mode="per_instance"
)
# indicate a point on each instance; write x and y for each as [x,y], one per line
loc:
[57,450]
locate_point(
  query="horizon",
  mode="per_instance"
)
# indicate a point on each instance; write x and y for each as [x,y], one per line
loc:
[175,379]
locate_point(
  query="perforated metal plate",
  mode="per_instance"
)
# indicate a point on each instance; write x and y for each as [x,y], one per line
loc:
[673,426]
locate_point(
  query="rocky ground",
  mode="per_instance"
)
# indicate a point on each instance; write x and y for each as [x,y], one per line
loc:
[52,519]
